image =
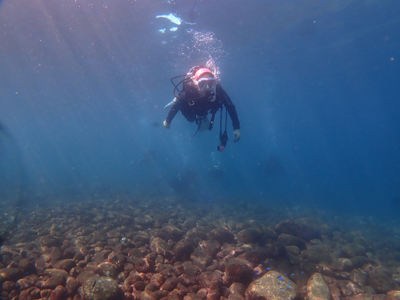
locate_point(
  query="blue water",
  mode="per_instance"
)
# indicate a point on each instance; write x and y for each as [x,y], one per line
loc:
[315,83]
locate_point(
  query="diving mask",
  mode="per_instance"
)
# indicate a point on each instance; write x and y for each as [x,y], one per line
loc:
[207,84]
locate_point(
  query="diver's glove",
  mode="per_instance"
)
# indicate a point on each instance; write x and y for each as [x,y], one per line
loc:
[166,124]
[236,135]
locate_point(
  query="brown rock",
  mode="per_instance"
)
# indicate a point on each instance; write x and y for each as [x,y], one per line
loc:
[140,239]
[161,294]
[8,286]
[54,272]
[170,284]
[190,269]
[129,281]
[59,293]
[100,288]
[118,259]
[192,296]
[175,295]
[211,248]
[114,234]
[167,270]
[72,286]
[97,237]
[194,288]
[359,276]
[392,295]
[317,289]
[101,256]
[182,288]
[78,256]
[291,240]
[139,285]
[250,235]
[108,269]
[158,280]
[197,234]
[315,257]
[145,220]
[214,294]
[45,293]
[359,261]
[50,241]
[151,287]
[69,252]
[256,256]
[10,274]
[237,288]
[381,283]
[303,228]
[183,249]
[161,247]
[25,283]
[349,288]
[211,280]
[293,250]
[333,287]
[148,295]
[352,249]
[237,270]
[22,294]
[171,232]
[201,259]
[55,255]
[189,223]
[26,265]
[236,296]
[202,293]
[225,292]
[53,282]
[276,249]
[269,234]
[144,265]
[65,264]
[189,280]
[35,293]
[272,286]
[342,264]
[221,235]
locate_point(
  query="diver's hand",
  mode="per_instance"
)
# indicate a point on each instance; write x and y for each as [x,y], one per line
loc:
[166,124]
[236,135]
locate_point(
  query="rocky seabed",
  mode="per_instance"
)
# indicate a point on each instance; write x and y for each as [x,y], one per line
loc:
[163,249]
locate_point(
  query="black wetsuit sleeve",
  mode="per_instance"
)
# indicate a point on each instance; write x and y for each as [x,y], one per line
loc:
[173,111]
[230,107]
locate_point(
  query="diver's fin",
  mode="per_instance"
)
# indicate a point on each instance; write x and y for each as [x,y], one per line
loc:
[170,104]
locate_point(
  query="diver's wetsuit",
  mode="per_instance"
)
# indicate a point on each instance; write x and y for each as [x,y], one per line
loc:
[189,103]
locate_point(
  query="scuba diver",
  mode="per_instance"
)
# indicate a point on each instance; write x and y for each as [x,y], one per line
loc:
[201,95]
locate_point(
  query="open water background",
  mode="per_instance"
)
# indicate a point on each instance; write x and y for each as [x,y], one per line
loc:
[315,83]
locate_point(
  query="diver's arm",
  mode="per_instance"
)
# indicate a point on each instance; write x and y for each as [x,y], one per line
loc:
[230,107]
[172,112]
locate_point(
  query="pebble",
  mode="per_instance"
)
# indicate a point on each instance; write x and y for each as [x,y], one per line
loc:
[100,288]
[10,274]
[53,282]
[269,286]
[317,289]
